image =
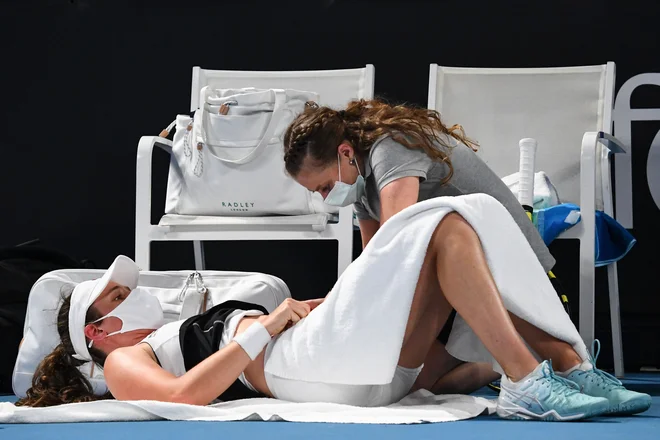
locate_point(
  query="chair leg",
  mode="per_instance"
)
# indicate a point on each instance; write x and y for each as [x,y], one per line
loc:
[143,253]
[587,291]
[615,317]
[200,262]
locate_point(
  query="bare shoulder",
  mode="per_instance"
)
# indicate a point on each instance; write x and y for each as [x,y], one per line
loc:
[124,359]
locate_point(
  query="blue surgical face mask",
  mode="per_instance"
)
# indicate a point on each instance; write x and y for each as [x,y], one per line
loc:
[343,194]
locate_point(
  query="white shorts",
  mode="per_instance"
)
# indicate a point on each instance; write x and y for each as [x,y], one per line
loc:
[356,395]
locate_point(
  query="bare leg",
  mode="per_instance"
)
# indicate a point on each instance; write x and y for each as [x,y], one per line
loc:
[562,354]
[455,274]
[465,279]
[444,374]
[437,364]
[465,379]
[428,313]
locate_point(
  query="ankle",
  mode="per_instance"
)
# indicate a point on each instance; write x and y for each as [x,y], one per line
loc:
[518,372]
[582,365]
[567,364]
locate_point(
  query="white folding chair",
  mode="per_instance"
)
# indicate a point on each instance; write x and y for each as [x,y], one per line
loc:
[568,111]
[335,88]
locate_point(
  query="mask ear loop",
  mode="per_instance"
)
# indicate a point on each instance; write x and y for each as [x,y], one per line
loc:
[91,341]
[100,319]
[339,166]
[357,165]
[91,371]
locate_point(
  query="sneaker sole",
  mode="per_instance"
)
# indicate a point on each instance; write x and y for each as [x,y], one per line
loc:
[629,408]
[516,412]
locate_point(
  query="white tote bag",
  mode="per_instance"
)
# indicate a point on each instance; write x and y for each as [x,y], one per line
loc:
[228,160]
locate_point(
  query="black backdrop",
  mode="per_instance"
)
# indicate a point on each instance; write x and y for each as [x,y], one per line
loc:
[82,80]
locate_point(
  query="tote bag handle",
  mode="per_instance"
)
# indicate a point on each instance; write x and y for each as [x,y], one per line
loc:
[275,118]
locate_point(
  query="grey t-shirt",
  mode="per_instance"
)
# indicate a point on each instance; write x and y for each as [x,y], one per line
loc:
[389,161]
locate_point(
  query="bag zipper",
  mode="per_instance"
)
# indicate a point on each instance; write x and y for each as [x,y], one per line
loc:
[199,285]
[182,294]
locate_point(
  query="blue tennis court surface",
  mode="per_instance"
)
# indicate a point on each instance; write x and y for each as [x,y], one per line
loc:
[641,427]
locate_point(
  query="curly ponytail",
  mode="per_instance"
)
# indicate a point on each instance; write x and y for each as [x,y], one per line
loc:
[57,379]
[318,131]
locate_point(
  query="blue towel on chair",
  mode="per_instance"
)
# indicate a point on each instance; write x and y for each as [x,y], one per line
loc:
[554,220]
[613,241]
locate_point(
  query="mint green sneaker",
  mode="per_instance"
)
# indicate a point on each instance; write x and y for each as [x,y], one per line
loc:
[542,395]
[597,383]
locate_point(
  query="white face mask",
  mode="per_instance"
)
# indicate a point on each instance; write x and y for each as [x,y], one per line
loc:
[343,194]
[140,310]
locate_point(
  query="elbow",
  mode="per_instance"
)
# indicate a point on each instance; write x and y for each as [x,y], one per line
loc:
[180,393]
[187,398]
[181,397]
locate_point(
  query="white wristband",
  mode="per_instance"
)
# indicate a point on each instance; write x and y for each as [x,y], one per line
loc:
[254,339]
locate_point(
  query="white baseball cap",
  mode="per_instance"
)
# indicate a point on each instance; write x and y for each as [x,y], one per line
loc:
[123,271]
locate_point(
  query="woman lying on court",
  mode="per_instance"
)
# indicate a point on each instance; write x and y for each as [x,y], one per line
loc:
[225,353]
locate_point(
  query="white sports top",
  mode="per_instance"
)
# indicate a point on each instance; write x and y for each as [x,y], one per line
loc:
[165,343]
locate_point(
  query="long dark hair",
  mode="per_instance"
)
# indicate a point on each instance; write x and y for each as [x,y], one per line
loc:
[318,131]
[57,379]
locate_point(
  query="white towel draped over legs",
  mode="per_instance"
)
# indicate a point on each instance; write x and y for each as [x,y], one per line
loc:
[355,336]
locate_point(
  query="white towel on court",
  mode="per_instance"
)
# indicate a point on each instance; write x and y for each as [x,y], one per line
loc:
[419,407]
[355,336]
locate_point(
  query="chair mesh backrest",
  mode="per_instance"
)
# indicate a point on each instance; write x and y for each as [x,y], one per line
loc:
[335,87]
[498,107]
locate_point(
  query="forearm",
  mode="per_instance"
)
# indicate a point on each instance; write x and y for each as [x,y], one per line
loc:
[368,229]
[211,377]
[365,241]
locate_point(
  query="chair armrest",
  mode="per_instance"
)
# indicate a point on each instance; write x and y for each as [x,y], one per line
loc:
[588,178]
[147,144]
[588,164]
[611,143]
[143,176]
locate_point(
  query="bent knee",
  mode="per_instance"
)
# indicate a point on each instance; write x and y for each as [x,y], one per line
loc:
[454,220]
[454,231]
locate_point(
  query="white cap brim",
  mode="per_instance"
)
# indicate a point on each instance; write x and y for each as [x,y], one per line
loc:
[123,271]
